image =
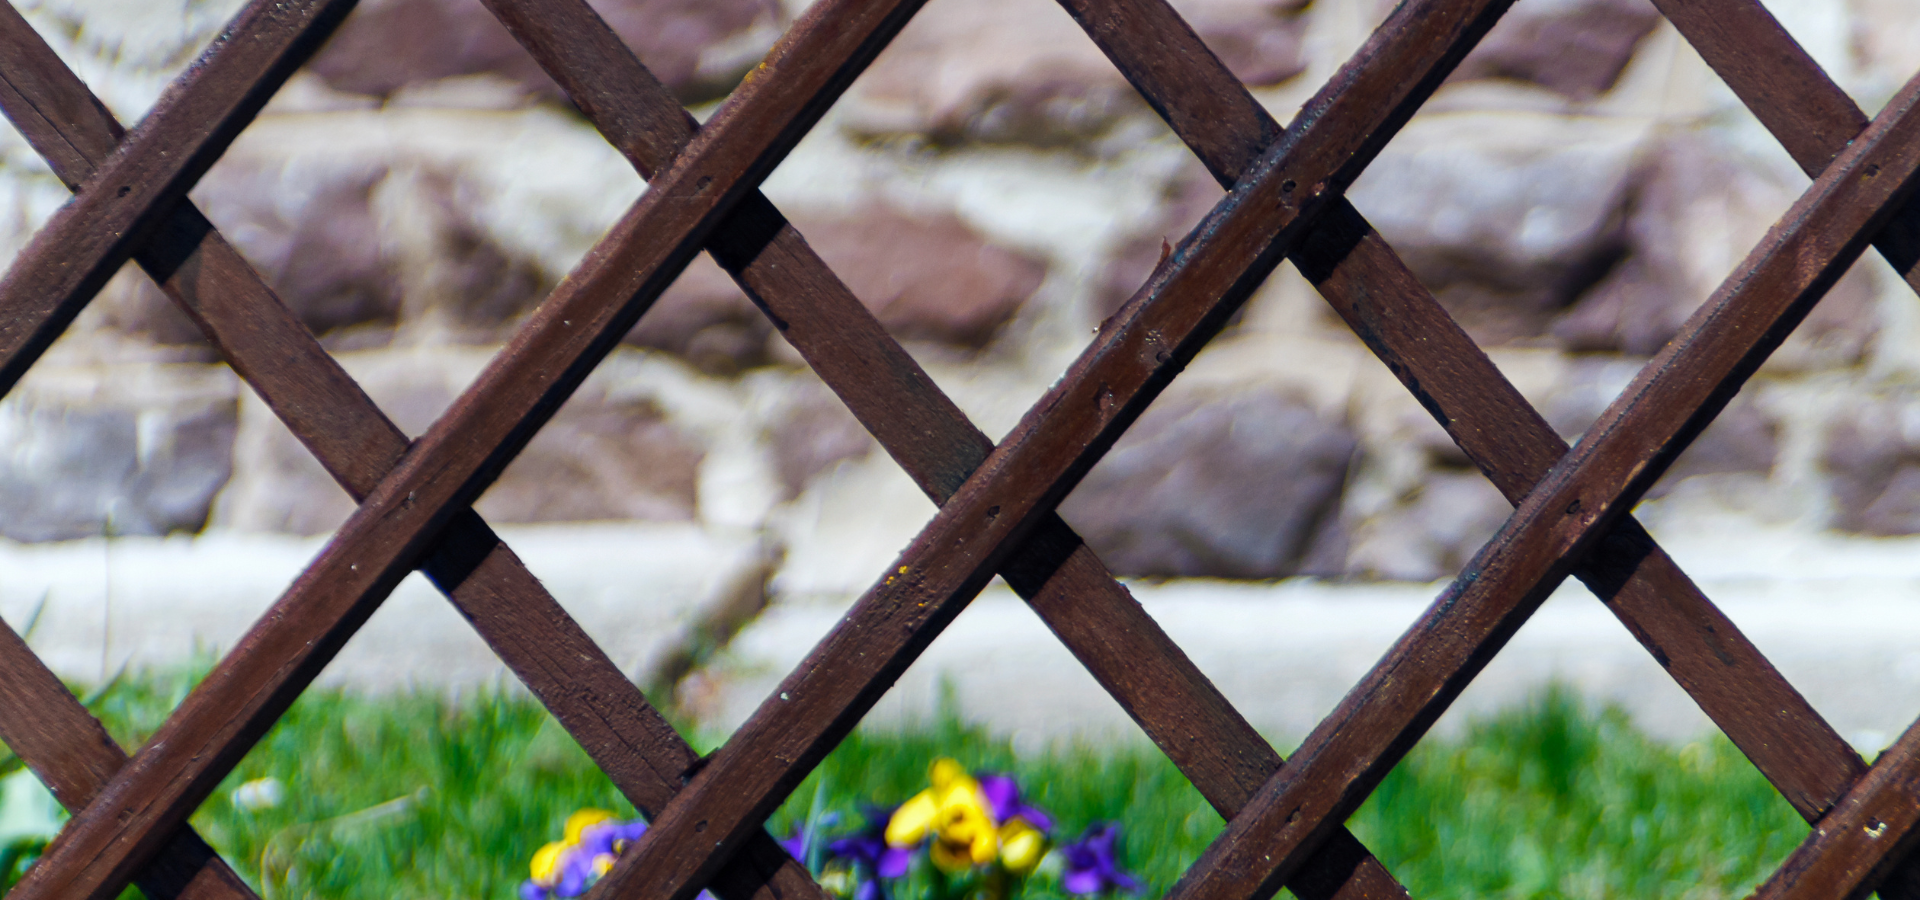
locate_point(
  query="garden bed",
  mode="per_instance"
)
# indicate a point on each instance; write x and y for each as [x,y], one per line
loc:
[430,795]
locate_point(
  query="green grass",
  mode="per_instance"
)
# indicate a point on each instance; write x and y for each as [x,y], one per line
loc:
[419,796]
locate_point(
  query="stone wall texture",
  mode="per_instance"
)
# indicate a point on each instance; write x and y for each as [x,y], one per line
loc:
[992,189]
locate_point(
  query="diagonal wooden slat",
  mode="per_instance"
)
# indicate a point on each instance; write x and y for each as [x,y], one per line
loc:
[1855,848]
[45,725]
[1789,93]
[1675,397]
[40,720]
[88,240]
[355,442]
[1822,766]
[448,467]
[887,391]
[1182,306]
[1137,352]
[1786,90]
[1405,326]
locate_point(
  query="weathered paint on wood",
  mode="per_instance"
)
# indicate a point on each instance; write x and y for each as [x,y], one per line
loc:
[269,347]
[1617,459]
[1405,326]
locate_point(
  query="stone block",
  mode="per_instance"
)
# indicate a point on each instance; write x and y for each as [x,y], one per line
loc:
[1214,483]
[1016,72]
[1574,47]
[601,458]
[698,48]
[1870,455]
[927,278]
[1697,208]
[142,452]
[1506,217]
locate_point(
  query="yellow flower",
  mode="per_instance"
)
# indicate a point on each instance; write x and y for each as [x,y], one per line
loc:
[963,835]
[583,820]
[546,862]
[912,820]
[1021,846]
[947,772]
[956,813]
[922,812]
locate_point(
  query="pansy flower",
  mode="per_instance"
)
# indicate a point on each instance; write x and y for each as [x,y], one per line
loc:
[855,864]
[1090,864]
[869,847]
[954,813]
[971,822]
[1003,800]
[567,867]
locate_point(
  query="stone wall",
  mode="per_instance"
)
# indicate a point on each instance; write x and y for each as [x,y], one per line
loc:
[992,189]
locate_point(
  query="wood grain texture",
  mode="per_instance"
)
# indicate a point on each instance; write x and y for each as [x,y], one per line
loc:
[448,467]
[999,517]
[1791,95]
[1405,326]
[1631,444]
[41,722]
[88,239]
[1703,650]
[356,443]
[926,432]
[1814,120]
[72,754]
[1136,353]
[1856,846]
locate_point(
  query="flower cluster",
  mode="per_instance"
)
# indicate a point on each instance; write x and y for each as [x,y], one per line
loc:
[978,837]
[967,821]
[1090,867]
[973,833]
[567,867]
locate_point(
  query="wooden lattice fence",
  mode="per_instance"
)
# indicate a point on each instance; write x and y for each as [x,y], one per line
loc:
[996,502]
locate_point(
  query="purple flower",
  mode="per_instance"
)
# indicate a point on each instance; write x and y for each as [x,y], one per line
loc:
[581,864]
[867,853]
[576,875]
[868,847]
[1003,800]
[610,838]
[796,844]
[1091,868]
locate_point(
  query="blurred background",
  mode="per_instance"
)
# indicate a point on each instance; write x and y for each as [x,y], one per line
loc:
[993,189]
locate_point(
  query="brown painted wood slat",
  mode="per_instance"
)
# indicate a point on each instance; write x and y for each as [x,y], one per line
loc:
[1138,350]
[356,443]
[1676,395]
[1853,849]
[1405,326]
[1791,95]
[40,720]
[199,114]
[931,438]
[45,725]
[463,451]
[998,510]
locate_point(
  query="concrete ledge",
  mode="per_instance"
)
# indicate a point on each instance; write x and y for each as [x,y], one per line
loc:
[158,602]
[1839,616]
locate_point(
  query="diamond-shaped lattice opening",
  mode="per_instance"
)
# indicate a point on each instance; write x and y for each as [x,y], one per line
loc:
[1167,822]
[1495,807]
